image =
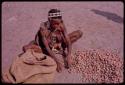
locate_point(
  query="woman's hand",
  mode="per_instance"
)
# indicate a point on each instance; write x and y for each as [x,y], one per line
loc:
[34,47]
[69,60]
[59,67]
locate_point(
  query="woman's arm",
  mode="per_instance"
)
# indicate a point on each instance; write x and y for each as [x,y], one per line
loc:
[45,42]
[66,37]
[68,45]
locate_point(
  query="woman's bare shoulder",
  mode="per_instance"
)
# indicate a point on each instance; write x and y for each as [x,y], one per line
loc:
[44,25]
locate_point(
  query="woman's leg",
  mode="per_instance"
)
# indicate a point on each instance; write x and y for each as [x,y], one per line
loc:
[75,35]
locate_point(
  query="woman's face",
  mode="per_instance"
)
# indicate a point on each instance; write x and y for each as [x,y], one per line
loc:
[55,23]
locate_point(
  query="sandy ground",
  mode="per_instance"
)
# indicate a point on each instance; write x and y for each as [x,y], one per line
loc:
[102,28]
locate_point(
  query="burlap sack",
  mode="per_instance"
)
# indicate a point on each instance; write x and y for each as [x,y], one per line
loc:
[27,69]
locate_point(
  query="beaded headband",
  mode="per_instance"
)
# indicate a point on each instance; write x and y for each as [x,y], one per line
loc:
[54,14]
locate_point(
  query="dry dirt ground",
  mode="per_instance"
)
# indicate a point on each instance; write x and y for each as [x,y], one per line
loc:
[100,22]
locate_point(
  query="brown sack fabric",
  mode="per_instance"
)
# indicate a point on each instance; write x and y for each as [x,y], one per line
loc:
[27,69]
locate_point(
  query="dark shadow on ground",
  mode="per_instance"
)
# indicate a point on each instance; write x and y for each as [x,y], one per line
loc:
[111,16]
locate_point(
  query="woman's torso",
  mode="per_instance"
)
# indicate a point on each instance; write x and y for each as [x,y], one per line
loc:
[54,39]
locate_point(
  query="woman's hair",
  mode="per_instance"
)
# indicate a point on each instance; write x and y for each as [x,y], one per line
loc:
[56,12]
[53,10]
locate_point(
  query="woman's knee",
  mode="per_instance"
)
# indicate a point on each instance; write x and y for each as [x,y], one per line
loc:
[80,32]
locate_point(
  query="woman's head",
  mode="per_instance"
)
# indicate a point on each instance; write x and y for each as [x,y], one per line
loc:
[54,14]
[55,18]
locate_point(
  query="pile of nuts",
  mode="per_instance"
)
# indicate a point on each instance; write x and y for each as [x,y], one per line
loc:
[98,66]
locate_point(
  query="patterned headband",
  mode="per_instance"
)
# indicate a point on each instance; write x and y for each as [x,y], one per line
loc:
[54,14]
